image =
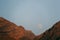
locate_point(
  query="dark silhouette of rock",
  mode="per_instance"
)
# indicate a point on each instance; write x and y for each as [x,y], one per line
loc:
[10,31]
[51,34]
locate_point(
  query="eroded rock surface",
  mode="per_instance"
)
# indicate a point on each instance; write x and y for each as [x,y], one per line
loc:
[51,34]
[10,31]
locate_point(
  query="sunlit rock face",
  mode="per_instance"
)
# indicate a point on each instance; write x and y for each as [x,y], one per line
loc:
[29,34]
[51,34]
[10,31]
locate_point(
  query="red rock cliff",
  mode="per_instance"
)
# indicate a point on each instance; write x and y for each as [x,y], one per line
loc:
[10,31]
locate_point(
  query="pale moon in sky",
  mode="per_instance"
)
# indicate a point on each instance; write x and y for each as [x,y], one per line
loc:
[40,26]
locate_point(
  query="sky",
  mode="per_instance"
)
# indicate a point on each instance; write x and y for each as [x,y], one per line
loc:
[35,15]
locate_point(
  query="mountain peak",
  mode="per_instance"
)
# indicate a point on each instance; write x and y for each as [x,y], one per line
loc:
[51,34]
[57,24]
[10,31]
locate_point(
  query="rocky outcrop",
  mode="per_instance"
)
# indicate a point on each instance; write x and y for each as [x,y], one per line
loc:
[10,31]
[30,34]
[51,34]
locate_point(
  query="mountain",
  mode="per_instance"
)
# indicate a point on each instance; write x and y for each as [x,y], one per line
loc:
[51,34]
[10,31]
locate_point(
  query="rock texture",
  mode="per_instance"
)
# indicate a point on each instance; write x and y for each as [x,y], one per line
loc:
[10,31]
[51,34]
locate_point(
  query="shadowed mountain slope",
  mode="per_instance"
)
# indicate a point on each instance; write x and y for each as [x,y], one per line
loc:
[51,34]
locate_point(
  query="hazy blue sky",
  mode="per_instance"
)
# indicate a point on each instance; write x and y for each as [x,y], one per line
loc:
[35,15]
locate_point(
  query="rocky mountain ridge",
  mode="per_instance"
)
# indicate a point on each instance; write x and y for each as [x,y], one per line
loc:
[51,34]
[10,31]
